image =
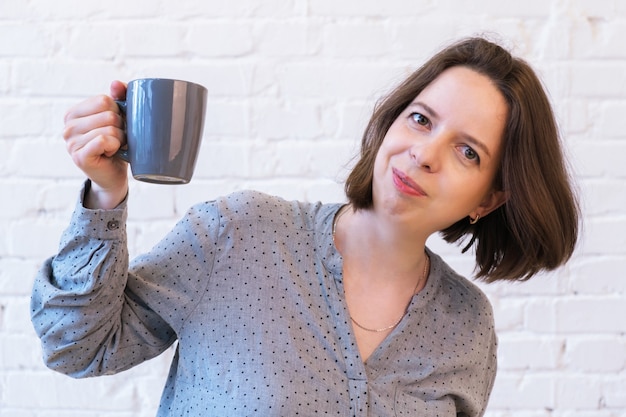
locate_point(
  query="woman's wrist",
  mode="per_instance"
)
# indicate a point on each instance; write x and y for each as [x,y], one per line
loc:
[97,197]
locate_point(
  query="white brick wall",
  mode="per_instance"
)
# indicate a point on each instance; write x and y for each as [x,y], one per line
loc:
[291,83]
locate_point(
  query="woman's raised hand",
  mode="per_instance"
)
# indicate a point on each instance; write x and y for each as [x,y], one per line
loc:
[94,132]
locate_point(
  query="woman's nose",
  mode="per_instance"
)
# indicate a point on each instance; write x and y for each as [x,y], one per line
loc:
[427,153]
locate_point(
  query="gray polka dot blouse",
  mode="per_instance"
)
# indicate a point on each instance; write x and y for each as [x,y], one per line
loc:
[249,287]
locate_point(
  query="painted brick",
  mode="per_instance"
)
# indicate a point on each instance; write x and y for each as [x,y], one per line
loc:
[93,40]
[291,86]
[528,352]
[569,394]
[215,39]
[523,391]
[614,394]
[17,275]
[359,39]
[288,38]
[596,354]
[598,276]
[591,315]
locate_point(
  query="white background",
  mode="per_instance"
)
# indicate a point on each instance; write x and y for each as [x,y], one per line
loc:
[291,84]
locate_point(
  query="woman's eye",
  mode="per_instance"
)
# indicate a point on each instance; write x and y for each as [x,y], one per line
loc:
[470,154]
[420,119]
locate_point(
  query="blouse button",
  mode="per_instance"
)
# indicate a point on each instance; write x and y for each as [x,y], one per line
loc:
[113,225]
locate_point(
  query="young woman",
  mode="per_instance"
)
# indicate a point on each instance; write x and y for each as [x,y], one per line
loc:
[284,308]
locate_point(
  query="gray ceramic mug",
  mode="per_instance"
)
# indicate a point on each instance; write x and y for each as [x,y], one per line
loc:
[164,122]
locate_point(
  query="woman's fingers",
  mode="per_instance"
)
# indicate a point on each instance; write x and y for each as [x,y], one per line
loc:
[118,90]
[103,141]
[90,106]
[76,126]
[93,133]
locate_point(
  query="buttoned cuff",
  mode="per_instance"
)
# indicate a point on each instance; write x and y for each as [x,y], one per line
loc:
[99,223]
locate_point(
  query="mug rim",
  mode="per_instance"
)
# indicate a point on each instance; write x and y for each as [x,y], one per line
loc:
[175,80]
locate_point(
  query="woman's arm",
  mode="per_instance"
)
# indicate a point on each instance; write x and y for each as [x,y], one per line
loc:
[89,321]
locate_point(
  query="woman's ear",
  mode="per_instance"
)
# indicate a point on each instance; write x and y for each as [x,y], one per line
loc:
[491,202]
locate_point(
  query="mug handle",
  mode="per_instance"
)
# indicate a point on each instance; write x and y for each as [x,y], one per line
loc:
[122,153]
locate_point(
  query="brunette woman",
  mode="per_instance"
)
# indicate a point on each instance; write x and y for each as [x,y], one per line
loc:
[284,308]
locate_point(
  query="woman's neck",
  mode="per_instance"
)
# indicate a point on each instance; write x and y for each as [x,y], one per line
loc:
[379,245]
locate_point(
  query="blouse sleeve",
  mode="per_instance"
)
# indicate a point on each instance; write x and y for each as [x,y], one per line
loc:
[94,314]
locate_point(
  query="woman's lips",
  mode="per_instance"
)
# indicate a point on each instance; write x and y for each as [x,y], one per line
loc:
[406,184]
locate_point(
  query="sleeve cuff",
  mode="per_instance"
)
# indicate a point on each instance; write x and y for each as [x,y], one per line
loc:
[99,223]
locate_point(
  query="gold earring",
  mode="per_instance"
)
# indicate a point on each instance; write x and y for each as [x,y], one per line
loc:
[475,219]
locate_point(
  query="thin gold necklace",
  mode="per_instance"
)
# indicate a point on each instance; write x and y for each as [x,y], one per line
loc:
[422,279]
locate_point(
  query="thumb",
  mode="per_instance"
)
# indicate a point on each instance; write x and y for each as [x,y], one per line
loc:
[118,90]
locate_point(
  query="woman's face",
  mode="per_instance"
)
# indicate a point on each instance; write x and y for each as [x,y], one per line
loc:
[439,158]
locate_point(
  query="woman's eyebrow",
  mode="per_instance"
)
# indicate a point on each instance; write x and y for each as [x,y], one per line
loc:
[472,140]
[426,107]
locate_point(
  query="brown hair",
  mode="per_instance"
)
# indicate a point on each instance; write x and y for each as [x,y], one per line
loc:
[537,228]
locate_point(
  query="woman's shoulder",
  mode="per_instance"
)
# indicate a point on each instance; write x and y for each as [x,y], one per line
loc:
[258,206]
[457,291]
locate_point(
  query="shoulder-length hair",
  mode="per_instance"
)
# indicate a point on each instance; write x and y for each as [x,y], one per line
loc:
[537,227]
